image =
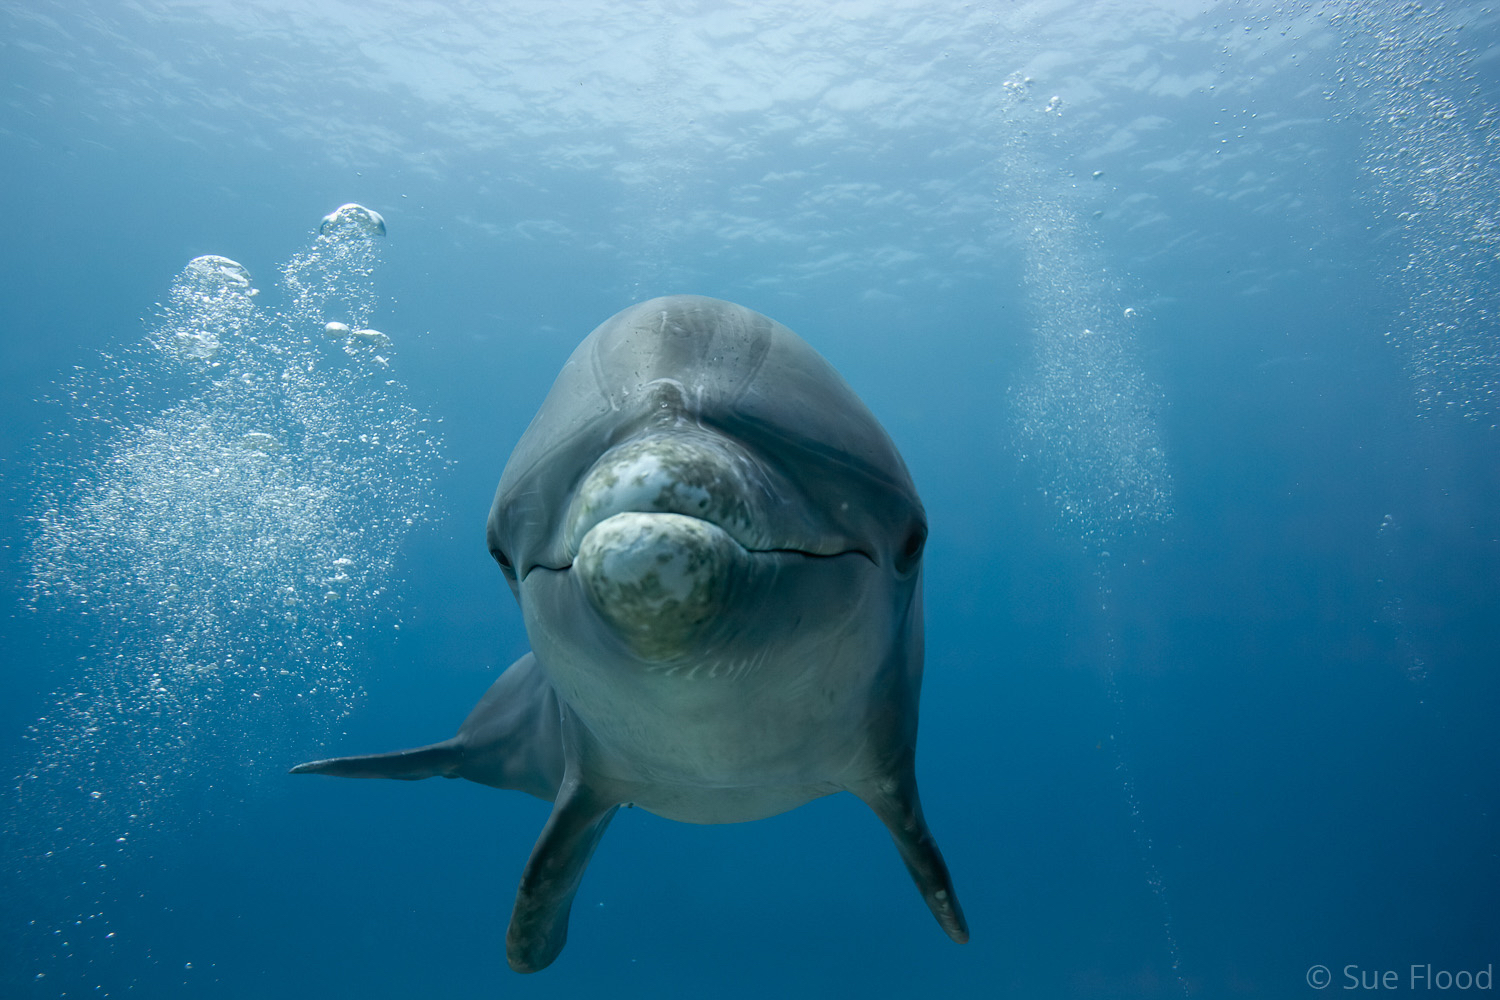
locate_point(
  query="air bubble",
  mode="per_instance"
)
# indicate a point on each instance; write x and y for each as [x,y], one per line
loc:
[260,441]
[212,272]
[353,216]
[371,338]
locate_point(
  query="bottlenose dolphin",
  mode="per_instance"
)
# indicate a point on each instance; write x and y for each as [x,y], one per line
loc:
[717,551]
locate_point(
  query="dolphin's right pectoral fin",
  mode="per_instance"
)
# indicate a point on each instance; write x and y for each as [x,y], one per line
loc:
[539,922]
[894,799]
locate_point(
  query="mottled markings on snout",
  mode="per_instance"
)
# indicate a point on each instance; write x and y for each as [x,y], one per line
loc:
[695,475]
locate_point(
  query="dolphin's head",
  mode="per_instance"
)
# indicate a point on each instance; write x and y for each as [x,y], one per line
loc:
[691,453]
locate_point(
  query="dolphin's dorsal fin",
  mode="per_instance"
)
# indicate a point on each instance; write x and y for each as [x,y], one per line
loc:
[512,739]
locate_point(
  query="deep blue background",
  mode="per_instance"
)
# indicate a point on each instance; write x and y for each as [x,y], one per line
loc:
[1196,766]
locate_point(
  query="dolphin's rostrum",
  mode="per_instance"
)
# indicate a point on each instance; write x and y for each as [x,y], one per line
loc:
[718,556]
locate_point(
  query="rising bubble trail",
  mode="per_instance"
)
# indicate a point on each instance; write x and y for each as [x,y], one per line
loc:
[216,529]
[1085,413]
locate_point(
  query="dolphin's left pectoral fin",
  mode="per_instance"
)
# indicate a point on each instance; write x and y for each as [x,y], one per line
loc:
[511,739]
[443,758]
[539,922]
[894,799]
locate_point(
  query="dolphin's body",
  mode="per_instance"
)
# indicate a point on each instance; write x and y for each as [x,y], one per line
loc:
[717,553]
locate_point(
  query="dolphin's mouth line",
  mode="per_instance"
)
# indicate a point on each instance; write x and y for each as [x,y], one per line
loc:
[813,555]
[769,550]
[754,552]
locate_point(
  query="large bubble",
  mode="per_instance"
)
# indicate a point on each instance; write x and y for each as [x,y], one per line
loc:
[217,525]
[352,217]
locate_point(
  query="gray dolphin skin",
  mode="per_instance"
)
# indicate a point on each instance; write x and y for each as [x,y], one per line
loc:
[717,551]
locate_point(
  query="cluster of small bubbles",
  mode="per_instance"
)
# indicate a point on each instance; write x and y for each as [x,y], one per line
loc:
[1017,83]
[355,340]
[1394,609]
[211,302]
[328,284]
[1085,414]
[1434,160]
[217,518]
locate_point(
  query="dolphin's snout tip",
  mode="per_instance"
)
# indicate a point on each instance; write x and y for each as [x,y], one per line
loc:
[657,579]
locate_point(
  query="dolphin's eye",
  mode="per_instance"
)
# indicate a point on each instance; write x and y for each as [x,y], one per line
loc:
[911,548]
[504,561]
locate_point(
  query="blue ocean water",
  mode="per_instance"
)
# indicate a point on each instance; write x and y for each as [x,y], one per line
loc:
[1183,316]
